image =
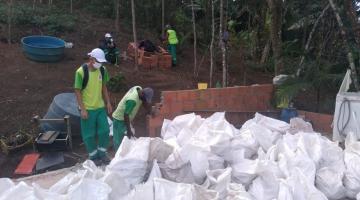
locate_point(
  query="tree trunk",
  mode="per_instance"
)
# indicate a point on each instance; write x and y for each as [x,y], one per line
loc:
[212,42]
[307,46]
[222,43]
[195,45]
[275,32]
[348,49]
[162,17]
[117,11]
[265,52]
[134,34]
[10,4]
[34,4]
[71,6]
[351,13]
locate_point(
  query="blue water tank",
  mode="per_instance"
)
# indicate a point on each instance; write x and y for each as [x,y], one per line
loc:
[43,48]
[287,114]
[63,104]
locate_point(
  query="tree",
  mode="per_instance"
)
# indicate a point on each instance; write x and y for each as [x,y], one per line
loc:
[351,14]
[212,42]
[348,49]
[117,11]
[222,44]
[162,17]
[275,7]
[194,32]
[10,4]
[307,45]
[134,34]
[71,6]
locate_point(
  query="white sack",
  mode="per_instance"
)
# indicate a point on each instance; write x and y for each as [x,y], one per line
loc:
[155,171]
[352,160]
[302,188]
[246,141]
[21,191]
[5,184]
[131,160]
[44,194]
[62,186]
[237,192]
[329,182]
[218,180]
[159,150]
[119,187]
[183,174]
[297,124]
[264,136]
[244,171]
[180,191]
[89,189]
[271,123]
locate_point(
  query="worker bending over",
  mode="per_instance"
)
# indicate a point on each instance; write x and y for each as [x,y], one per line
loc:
[127,110]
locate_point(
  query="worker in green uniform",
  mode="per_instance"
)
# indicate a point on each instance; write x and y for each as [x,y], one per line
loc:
[172,41]
[127,110]
[94,103]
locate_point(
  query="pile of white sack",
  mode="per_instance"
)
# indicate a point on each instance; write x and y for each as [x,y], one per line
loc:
[208,159]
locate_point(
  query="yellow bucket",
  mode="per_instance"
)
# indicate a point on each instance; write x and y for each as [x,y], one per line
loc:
[202,86]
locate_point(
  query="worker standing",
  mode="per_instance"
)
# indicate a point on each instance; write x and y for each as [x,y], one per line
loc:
[172,42]
[92,97]
[127,110]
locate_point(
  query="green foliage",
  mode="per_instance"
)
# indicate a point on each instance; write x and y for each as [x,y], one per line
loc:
[49,20]
[322,77]
[102,8]
[117,83]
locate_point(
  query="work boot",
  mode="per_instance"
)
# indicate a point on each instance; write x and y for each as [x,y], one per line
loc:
[105,160]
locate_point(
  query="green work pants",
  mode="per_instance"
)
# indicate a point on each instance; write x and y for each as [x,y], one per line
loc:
[119,129]
[95,124]
[172,51]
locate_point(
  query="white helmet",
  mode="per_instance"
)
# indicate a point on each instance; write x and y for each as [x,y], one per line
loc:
[98,54]
[108,35]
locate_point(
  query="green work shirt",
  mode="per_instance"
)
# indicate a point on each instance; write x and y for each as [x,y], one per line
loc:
[129,104]
[92,93]
[172,38]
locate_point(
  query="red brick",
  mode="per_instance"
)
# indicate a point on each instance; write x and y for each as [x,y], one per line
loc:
[182,95]
[27,164]
[201,105]
[146,62]
[203,94]
[169,97]
[154,61]
[176,108]
[192,95]
[188,105]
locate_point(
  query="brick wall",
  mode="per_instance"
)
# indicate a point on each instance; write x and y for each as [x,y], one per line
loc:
[242,99]
[321,122]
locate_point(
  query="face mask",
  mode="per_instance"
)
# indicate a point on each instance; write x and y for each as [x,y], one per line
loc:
[97,65]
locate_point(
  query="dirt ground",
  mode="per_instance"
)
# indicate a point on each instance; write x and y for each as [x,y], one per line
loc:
[28,87]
